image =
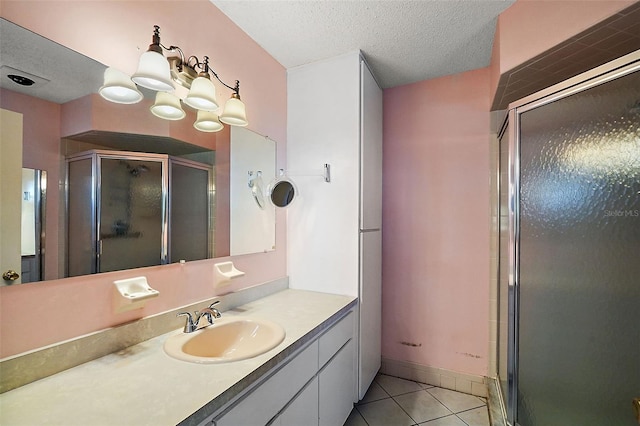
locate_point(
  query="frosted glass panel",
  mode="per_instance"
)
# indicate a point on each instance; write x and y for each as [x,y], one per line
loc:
[80,221]
[189,213]
[130,214]
[579,330]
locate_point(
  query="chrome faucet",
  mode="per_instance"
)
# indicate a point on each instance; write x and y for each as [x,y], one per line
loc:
[209,313]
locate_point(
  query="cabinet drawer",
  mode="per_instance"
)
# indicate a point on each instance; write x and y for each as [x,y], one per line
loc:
[335,338]
[303,411]
[264,402]
[337,388]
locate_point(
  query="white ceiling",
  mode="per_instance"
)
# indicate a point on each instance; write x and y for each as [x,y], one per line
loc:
[403,41]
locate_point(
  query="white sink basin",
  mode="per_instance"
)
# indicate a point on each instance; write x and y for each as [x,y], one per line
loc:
[229,339]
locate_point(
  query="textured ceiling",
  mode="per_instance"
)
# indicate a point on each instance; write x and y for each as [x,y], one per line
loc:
[60,74]
[403,41]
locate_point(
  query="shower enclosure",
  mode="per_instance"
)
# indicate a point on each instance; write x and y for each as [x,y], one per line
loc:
[128,210]
[569,261]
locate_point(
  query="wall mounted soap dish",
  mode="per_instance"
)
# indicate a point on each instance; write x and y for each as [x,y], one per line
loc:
[132,293]
[225,272]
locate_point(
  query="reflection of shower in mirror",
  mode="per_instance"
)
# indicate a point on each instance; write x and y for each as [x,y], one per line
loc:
[134,209]
[135,171]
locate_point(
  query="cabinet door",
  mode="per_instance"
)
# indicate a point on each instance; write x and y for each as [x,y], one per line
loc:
[370,335]
[370,151]
[264,402]
[303,410]
[336,385]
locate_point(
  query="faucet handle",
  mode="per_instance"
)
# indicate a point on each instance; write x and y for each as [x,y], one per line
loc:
[216,312]
[189,326]
[185,314]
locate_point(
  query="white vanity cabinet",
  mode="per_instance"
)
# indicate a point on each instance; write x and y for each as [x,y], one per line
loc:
[315,386]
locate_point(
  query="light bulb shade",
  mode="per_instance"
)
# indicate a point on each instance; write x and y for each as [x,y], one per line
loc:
[202,95]
[119,88]
[153,72]
[234,112]
[207,121]
[168,106]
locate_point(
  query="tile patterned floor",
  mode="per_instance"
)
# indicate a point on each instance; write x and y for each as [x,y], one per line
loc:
[391,401]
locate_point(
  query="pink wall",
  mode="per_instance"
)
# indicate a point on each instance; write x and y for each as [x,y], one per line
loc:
[436,222]
[530,27]
[116,33]
[41,150]
[436,213]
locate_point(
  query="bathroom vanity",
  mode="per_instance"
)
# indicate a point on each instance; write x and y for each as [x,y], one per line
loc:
[307,379]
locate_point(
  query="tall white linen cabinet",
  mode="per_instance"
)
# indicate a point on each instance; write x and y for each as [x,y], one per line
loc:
[334,229]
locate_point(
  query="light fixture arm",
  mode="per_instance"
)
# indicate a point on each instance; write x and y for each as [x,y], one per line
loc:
[236,88]
[204,66]
[157,46]
[174,49]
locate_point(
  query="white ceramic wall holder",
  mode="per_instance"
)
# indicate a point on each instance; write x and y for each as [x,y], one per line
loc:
[132,293]
[225,272]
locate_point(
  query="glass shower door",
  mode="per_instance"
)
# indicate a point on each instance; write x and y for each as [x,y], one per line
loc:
[579,258]
[191,231]
[131,214]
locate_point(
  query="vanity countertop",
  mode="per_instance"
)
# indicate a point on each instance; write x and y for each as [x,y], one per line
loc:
[143,385]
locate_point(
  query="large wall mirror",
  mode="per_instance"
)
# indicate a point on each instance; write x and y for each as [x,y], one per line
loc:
[113,187]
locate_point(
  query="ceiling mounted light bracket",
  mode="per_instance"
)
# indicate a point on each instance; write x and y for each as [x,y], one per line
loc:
[158,73]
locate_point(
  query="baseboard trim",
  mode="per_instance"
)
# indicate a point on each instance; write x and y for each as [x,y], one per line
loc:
[461,382]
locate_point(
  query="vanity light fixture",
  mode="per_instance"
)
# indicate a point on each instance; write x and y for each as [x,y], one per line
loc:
[167,106]
[208,121]
[158,73]
[119,88]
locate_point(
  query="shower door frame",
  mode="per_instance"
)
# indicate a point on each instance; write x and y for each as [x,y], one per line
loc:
[610,71]
[210,197]
[96,156]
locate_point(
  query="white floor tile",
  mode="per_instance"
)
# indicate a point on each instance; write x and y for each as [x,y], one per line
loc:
[374,393]
[412,402]
[396,386]
[426,385]
[421,406]
[456,401]
[385,412]
[476,417]
[452,420]
[355,419]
